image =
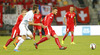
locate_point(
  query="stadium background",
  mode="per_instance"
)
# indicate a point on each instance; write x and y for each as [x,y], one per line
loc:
[89,9]
[86,32]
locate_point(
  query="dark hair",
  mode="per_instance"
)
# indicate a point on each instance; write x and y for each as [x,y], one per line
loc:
[23,10]
[35,6]
[54,8]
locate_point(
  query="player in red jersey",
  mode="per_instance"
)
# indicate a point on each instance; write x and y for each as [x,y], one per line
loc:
[15,29]
[71,20]
[49,31]
[37,19]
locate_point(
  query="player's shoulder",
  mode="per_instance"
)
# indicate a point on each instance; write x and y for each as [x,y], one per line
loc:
[67,12]
[30,12]
[20,16]
[51,14]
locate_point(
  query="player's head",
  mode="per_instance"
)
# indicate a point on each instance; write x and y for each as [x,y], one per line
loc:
[71,9]
[54,10]
[35,7]
[37,11]
[23,12]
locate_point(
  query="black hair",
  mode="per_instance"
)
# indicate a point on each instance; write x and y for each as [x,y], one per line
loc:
[54,8]
[23,10]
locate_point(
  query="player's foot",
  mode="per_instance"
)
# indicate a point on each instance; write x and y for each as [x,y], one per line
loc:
[5,47]
[62,42]
[36,45]
[72,42]
[15,44]
[62,48]
[16,50]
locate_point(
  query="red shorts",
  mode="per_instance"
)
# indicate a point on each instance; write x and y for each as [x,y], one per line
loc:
[37,27]
[15,32]
[70,28]
[49,31]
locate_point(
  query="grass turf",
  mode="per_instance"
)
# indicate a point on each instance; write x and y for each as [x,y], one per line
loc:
[82,46]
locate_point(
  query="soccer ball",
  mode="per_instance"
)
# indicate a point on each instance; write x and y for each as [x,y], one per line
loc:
[92,46]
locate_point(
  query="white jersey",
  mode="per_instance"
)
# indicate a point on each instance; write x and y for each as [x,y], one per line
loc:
[28,17]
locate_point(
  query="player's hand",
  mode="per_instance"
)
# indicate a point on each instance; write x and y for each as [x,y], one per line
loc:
[66,24]
[75,24]
[43,26]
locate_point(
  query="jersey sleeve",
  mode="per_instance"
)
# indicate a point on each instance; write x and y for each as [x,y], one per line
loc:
[66,15]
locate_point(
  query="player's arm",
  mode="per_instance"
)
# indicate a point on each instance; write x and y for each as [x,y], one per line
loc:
[35,24]
[65,20]
[41,19]
[75,21]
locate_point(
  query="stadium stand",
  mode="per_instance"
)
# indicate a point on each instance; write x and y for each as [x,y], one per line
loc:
[9,7]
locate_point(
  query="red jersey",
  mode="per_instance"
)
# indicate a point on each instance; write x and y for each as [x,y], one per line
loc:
[70,18]
[19,19]
[48,19]
[37,18]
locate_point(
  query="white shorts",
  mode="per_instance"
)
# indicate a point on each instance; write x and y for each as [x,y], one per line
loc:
[24,30]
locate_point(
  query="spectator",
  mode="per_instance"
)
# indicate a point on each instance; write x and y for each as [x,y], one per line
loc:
[94,2]
[5,3]
[19,2]
[1,3]
[12,4]
[28,4]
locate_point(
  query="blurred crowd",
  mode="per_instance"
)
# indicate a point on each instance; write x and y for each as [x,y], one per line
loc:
[27,4]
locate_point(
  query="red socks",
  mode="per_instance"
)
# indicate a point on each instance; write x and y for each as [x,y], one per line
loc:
[40,33]
[42,40]
[34,36]
[64,37]
[72,38]
[8,42]
[57,42]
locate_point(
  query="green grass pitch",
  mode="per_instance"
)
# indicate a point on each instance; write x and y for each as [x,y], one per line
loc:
[82,46]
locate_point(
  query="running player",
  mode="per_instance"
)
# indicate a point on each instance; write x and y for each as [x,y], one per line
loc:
[71,20]
[49,31]
[37,19]
[15,29]
[24,31]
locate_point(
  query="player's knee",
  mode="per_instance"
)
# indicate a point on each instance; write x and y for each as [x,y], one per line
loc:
[39,30]
[48,36]
[55,36]
[30,36]
[12,38]
[24,37]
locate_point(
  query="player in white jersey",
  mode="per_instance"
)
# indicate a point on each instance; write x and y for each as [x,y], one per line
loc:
[24,31]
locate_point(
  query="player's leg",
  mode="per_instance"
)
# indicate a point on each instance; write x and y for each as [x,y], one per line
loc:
[40,33]
[23,33]
[20,42]
[42,40]
[34,33]
[72,34]
[16,41]
[53,34]
[58,42]
[72,37]
[14,32]
[67,32]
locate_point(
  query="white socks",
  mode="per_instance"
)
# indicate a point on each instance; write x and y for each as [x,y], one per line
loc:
[19,43]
